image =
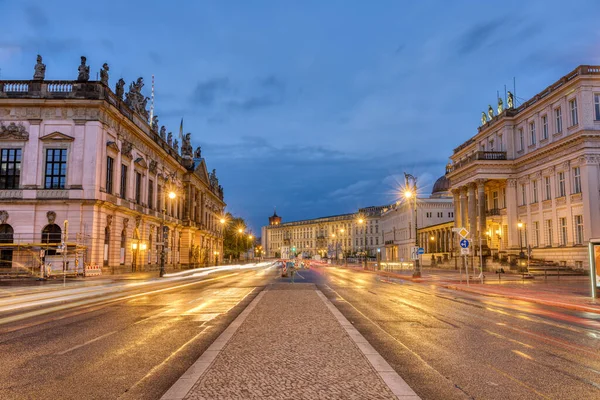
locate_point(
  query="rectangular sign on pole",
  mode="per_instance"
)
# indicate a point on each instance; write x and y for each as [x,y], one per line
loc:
[414,253]
[594,250]
[464,251]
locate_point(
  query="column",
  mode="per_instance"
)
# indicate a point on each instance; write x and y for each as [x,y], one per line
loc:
[482,208]
[457,220]
[472,211]
[463,206]
[590,190]
[511,213]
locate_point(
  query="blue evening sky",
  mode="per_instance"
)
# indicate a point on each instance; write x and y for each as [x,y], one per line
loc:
[316,107]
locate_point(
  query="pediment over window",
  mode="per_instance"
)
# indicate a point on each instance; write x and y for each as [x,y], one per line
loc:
[112,145]
[141,162]
[201,172]
[57,137]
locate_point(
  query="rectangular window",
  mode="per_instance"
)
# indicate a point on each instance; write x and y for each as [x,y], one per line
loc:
[56,168]
[573,108]
[150,193]
[558,116]
[576,180]
[544,127]
[548,193]
[500,143]
[579,229]
[377,241]
[563,231]
[123,181]
[536,233]
[10,169]
[159,199]
[521,139]
[597,106]
[532,133]
[503,194]
[495,200]
[549,232]
[534,192]
[138,187]
[110,163]
[561,184]
[523,195]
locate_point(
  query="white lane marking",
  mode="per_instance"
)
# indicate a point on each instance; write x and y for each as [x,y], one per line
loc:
[86,343]
[298,273]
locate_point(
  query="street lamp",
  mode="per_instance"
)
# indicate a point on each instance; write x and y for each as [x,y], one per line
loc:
[250,237]
[520,226]
[335,246]
[237,249]
[432,239]
[134,247]
[171,196]
[410,191]
[362,221]
[343,248]
[216,253]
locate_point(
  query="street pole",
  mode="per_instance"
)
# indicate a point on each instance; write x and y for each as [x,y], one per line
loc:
[162,236]
[413,192]
[366,243]
[64,250]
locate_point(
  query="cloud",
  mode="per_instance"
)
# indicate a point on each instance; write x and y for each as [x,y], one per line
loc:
[36,17]
[478,36]
[352,190]
[207,93]
[270,91]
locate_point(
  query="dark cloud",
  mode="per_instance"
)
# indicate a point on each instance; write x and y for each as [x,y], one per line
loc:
[478,36]
[207,92]
[36,17]
[44,45]
[269,92]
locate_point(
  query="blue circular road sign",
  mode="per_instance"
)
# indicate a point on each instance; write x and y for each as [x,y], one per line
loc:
[464,243]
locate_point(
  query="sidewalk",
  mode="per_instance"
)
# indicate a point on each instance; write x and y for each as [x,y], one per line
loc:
[569,292]
[290,343]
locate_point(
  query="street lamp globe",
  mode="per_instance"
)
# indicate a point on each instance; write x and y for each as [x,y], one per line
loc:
[172,195]
[360,221]
[240,230]
[408,194]
[520,225]
[222,220]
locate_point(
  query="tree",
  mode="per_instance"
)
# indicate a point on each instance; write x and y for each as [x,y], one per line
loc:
[235,242]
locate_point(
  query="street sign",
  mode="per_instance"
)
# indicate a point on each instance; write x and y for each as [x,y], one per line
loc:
[421,250]
[463,233]
[42,253]
[464,243]
[414,253]
[464,251]
[456,229]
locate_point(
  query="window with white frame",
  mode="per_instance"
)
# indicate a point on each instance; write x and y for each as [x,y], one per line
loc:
[500,143]
[558,117]
[578,229]
[495,199]
[521,139]
[532,133]
[544,127]
[549,233]
[534,191]
[503,194]
[523,194]
[597,106]
[576,180]
[573,109]
[536,233]
[561,184]
[563,231]
[548,188]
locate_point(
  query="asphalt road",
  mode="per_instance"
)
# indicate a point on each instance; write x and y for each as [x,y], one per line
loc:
[454,345]
[132,344]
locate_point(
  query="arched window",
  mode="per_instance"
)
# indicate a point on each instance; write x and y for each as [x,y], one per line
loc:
[51,234]
[6,254]
[123,245]
[106,245]
[150,245]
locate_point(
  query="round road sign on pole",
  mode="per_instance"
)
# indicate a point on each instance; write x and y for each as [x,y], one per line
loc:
[464,243]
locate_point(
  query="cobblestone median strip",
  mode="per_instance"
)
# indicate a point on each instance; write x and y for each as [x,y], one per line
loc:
[288,345]
[396,384]
[183,385]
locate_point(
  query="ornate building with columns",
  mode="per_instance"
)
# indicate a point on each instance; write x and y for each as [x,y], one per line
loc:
[530,176]
[433,214]
[77,151]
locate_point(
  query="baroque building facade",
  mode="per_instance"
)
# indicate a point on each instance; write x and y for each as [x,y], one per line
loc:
[80,152]
[328,237]
[529,178]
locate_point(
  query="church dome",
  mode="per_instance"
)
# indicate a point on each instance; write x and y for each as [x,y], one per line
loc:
[441,186]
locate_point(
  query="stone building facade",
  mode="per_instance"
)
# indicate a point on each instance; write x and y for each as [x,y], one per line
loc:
[80,152]
[433,214]
[530,176]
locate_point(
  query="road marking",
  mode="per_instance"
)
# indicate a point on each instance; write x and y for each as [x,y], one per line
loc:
[520,353]
[86,343]
[298,273]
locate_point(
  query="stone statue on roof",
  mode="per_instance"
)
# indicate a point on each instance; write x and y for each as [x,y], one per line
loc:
[163,133]
[186,146]
[84,71]
[510,102]
[155,123]
[40,70]
[483,118]
[170,139]
[490,112]
[198,152]
[176,146]
[104,74]
[119,88]
[135,99]
[500,106]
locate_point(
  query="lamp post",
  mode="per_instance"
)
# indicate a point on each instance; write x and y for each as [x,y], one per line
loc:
[171,195]
[134,247]
[237,248]
[250,237]
[216,253]
[520,226]
[343,248]
[335,245]
[411,192]
[363,221]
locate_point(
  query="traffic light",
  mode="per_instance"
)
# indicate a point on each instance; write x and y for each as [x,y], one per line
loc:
[293,249]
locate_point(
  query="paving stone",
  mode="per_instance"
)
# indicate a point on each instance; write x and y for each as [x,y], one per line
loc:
[290,347]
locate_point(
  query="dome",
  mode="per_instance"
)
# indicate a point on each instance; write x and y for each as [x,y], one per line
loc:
[441,186]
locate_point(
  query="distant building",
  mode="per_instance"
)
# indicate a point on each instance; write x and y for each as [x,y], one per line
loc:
[329,237]
[433,216]
[530,176]
[74,150]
